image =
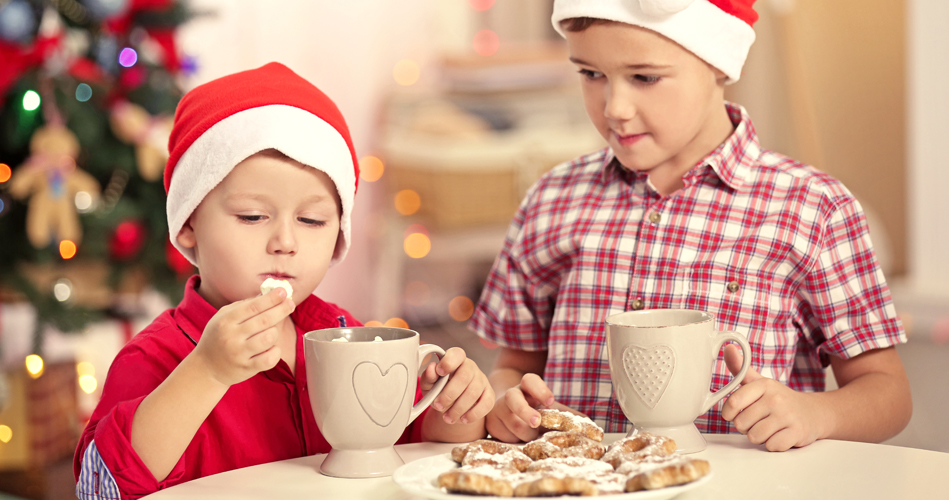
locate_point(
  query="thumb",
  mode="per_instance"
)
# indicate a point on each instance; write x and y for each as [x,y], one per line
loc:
[733,359]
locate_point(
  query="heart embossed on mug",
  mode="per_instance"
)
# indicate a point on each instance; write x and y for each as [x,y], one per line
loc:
[649,370]
[380,393]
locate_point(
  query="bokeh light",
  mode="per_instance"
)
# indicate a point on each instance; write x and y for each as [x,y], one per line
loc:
[62,290]
[31,100]
[481,5]
[85,368]
[406,72]
[417,245]
[370,168]
[373,323]
[6,434]
[83,92]
[88,384]
[417,293]
[83,202]
[486,42]
[460,308]
[5,172]
[128,57]
[67,249]
[34,365]
[407,202]
[396,323]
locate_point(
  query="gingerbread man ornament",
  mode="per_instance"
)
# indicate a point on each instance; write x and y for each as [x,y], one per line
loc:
[51,180]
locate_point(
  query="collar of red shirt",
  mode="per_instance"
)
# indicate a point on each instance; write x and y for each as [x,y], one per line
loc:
[193,313]
[730,161]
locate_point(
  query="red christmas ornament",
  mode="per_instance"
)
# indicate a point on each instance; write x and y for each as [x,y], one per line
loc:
[177,262]
[127,240]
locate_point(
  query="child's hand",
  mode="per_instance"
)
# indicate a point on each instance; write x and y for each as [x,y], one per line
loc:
[514,417]
[240,340]
[467,397]
[769,412]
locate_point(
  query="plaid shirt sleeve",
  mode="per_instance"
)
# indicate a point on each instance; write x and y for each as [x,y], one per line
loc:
[850,306]
[517,304]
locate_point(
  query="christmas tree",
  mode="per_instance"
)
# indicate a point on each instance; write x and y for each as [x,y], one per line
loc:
[88,89]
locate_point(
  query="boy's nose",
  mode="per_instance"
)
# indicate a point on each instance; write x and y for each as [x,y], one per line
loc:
[619,103]
[282,241]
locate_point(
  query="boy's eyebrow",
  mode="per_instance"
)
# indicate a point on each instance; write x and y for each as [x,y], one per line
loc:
[576,60]
[316,198]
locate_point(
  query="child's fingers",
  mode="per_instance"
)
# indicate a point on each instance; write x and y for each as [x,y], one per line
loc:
[450,362]
[764,429]
[467,399]
[267,318]
[265,360]
[251,308]
[260,342]
[534,388]
[428,378]
[750,416]
[481,408]
[741,399]
[456,385]
[733,359]
[517,403]
[783,440]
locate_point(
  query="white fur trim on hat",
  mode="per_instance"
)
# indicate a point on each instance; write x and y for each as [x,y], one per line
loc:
[707,31]
[294,132]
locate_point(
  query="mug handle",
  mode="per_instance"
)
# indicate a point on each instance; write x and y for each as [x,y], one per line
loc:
[722,337]
[423,351]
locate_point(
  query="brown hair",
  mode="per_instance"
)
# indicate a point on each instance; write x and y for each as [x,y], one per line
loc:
[576,24]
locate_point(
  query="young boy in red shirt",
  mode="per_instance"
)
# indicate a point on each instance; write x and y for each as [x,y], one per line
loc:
[261,180]
[684,209]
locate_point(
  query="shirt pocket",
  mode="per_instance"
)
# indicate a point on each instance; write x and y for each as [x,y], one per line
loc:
[739,299]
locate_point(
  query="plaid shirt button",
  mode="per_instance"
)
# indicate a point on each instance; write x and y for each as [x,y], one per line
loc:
[733,286]
[655,217]
[637,304]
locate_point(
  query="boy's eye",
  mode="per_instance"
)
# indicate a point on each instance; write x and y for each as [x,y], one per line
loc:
[590,74]
[312,222]
[647,78]
[250,218]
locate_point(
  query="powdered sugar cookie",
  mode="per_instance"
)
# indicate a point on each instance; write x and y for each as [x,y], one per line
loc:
[570,422]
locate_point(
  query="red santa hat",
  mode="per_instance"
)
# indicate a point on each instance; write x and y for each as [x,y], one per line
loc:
[717,31]
[225,121]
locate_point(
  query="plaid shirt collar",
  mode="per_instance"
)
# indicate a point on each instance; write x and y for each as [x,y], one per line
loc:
[730,161]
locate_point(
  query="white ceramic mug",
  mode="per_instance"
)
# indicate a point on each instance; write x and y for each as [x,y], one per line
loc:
[661,366]
[361,391]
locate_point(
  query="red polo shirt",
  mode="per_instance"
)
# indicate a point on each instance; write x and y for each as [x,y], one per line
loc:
[263,419]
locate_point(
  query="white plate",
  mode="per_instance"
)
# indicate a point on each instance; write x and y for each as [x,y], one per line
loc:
[419,478]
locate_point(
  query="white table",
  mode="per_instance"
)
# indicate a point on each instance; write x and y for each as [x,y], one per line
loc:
[825,469]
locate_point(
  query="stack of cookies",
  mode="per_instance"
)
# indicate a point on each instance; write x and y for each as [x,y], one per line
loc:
[569,460]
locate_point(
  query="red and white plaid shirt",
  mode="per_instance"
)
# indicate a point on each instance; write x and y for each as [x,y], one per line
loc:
[775,249]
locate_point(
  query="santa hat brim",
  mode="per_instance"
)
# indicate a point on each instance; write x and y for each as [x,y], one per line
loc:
[298,134]
[707,31]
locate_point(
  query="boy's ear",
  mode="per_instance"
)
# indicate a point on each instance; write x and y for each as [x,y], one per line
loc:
[186,237]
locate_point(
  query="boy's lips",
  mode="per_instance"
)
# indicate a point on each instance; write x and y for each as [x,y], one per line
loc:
[277,276]
[629,139]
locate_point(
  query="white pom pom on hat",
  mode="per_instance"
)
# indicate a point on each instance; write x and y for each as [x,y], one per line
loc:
[717,31]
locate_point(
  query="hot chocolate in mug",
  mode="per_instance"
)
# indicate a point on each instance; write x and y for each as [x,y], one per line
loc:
[661,365]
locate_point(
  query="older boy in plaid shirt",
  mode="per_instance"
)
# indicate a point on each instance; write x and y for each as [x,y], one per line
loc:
[685,209]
